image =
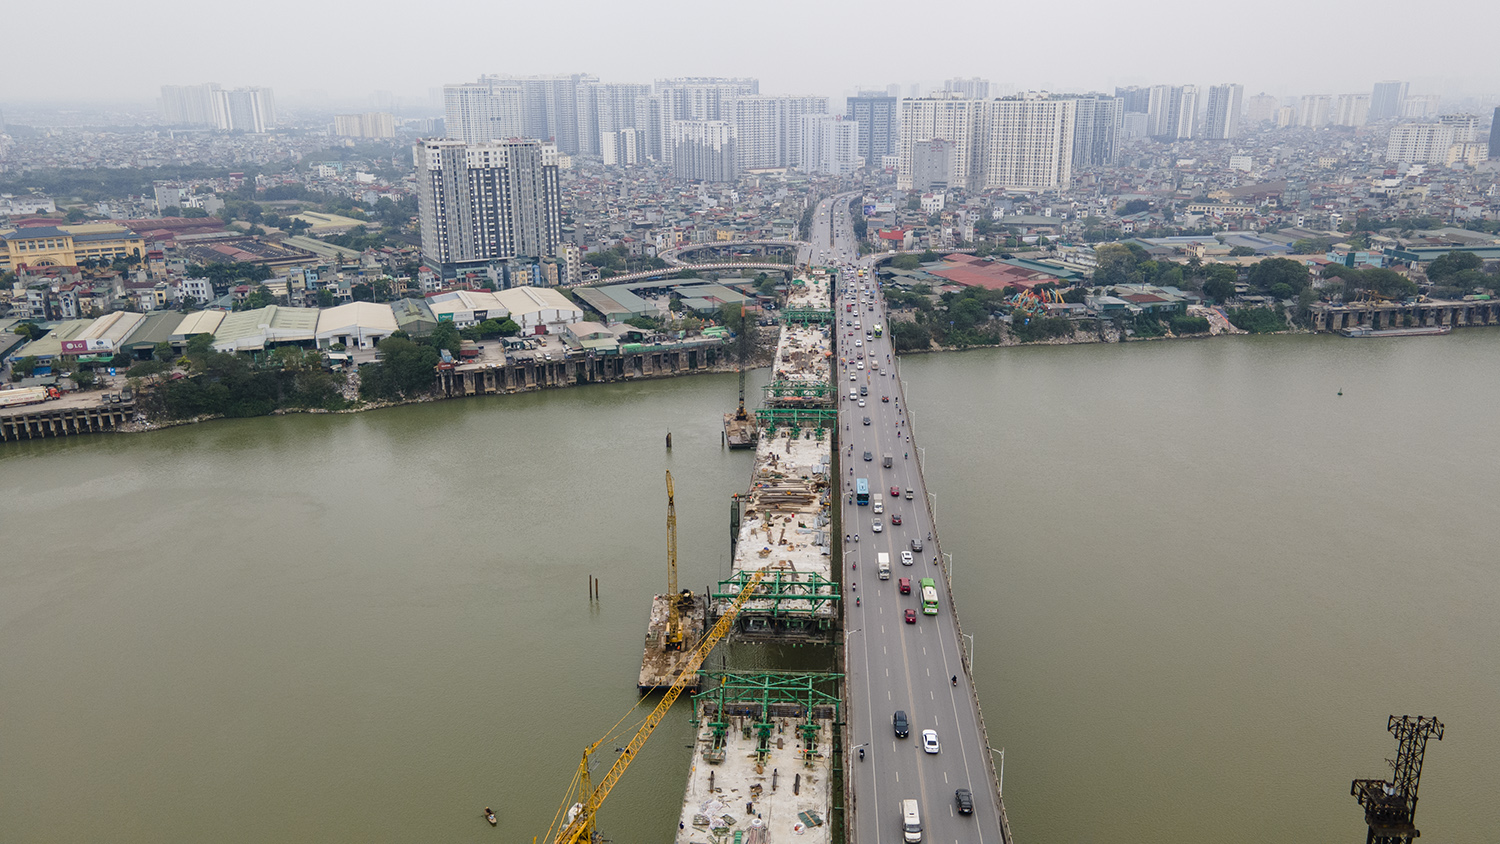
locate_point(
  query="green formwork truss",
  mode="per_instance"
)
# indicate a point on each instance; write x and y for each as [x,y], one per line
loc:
[806,316]
[756,695]
[796,417]
[794,595]
[784,389]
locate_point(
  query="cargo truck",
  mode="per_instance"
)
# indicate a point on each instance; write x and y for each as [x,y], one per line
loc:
[27,395]
[877,502]
[883,565]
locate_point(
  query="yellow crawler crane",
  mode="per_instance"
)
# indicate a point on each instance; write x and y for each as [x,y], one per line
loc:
[574,821]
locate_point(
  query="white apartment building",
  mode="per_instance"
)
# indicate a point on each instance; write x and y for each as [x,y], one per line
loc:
[243,109]
[1351,110]
[1172,111]
[1097,126]
[939,118]
[1028,143]
[374,124]
[760,132]
[486,202]
[830,145]
[1419,143]
[1261,108]
[703,150]
[1221,120]
[1465,127]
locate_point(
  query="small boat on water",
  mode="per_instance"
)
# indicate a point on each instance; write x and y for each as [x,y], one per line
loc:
[490,816]
[1419,331]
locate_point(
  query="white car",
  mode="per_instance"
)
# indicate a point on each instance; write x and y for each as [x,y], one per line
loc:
[852,376]
[861,402]
[878,527]
[905,558]
[929,741]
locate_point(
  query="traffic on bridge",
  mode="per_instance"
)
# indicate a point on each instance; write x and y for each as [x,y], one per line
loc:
[920,764]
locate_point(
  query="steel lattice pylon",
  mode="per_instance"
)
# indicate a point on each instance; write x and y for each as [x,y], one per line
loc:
[1391,805]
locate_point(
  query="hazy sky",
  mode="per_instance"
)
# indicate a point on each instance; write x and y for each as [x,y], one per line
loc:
[126,51]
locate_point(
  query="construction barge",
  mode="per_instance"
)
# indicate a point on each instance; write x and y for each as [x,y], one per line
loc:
[1418,331]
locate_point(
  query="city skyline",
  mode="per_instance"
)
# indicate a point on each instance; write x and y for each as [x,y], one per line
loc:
[1100,55]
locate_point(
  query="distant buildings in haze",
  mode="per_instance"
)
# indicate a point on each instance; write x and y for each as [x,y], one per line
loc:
[241,109]
[374,124]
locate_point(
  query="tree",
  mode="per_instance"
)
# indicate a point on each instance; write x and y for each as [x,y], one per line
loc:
[30,330]
[1220,284]
[509,327]
[910,336]
[23,368]
[84,378]
[1257,320]
[199,345]
[445,336]
[325,298]
[148,369]
[1451,264]
[1134,206]
[1310,246]
[906,262]
[162,351]
[1240,252]
[1279,271]
[405,369]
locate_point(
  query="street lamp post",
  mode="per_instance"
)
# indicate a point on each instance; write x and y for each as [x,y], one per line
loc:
[932,496]
[1001,751]
[948,564]
[970,637]
[921,457]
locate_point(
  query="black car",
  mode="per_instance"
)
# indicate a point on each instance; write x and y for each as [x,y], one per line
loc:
[965,801]
[867,420]
[899,722]
[869,456]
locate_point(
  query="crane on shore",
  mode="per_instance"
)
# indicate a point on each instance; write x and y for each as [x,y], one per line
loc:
[575,819]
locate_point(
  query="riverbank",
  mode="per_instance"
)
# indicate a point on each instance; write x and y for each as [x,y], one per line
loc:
[1107,332]
[148,412]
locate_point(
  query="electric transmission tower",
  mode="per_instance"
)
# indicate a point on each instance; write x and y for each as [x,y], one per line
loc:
[1391,806]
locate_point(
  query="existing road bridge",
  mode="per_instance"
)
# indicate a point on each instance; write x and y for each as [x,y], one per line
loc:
[918,667]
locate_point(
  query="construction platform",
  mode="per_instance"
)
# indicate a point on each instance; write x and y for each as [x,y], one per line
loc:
[659,666]
[784,519]
[762,767]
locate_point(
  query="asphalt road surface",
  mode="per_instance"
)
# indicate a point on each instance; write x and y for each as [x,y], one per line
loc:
[893,665]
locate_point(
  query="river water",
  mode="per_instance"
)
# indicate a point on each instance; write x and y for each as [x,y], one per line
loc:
[1198,579]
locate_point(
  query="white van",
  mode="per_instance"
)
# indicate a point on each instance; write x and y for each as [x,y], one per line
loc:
[911,822]
[877,502]
[883,564]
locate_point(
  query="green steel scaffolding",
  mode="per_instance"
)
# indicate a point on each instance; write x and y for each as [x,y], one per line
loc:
[805,316]
[796,417]
[798,602]
[761,697]
[798,390]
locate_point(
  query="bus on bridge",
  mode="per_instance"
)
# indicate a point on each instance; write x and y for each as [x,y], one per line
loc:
[929,596]
[862,491]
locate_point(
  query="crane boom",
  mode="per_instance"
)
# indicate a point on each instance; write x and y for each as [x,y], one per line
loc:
[583,821]
[674,617]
